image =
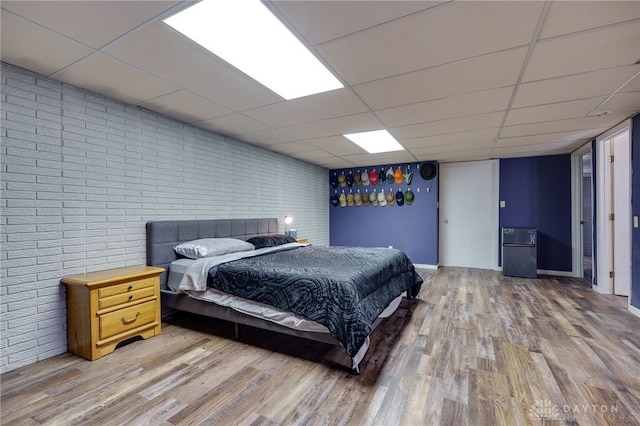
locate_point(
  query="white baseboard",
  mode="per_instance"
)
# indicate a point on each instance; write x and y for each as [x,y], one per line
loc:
[635,311]
[423,266]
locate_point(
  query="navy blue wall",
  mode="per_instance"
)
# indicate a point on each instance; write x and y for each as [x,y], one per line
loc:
[537,192]
[410,228]
[635,210]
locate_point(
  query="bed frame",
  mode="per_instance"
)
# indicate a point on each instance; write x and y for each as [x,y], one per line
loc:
[163,236]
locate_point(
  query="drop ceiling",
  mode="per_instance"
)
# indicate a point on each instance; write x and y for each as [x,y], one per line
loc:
[452,80]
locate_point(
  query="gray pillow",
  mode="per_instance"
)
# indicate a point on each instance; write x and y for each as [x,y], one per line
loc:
[207,247]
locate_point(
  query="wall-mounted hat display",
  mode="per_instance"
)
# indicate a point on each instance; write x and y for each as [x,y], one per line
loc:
[351,179]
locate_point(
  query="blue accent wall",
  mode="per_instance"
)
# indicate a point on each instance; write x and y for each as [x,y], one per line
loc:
[537,193]
[635,211]
[410,228]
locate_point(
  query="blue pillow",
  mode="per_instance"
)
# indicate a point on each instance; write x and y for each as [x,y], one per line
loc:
[263,241]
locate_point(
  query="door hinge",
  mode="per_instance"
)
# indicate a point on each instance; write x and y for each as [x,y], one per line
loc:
[611,216]
[611,158]
[612,274]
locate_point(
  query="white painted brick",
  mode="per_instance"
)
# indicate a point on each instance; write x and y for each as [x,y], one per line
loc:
[102,169]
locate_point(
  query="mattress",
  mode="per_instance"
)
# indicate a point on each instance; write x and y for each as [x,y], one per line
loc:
[255,309]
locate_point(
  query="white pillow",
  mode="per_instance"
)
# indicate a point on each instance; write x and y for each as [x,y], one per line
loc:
[207,247]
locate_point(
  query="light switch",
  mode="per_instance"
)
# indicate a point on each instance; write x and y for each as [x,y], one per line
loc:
[503,204]
[635,221]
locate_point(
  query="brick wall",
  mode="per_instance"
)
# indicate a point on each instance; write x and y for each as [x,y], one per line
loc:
[82,174]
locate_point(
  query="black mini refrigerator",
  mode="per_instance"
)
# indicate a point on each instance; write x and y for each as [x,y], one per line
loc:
[519,252]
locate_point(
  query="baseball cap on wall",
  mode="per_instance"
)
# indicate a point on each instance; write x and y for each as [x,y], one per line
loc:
[365,178]
[408,197]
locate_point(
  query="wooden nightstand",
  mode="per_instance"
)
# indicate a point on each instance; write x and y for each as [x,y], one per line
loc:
[303,240]
[106,307]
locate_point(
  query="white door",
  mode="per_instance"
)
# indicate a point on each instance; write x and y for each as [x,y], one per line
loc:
[622,214]
[469,214]
[614,213]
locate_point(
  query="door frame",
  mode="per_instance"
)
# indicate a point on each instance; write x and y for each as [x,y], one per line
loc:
[603,244]
[577,200]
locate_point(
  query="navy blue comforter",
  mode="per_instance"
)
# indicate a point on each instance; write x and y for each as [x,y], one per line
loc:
[342,288]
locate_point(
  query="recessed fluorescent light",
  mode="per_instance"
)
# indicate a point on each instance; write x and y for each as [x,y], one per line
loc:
[375,141]
[249,37]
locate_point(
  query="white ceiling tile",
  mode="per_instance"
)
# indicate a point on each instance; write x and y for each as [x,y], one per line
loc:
[29,46]
[447,33]
[569,136]
[320,21]
[558,111]
[336,145]
[322,106]
[232,125]
[442,109]
[452,148]
[469,155]
[384,158]
[574,124]
[633,85]
[289,148]
[164,52]
[583,52]
[335,126]
[93,23]
[565,146]
[566,17]
[459,124]
[489,72]
[451,138]
[266,137]
[581,86]
[185,106]
[624,103]
[110,77]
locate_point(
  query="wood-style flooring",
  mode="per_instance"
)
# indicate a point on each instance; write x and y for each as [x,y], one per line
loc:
[477,349]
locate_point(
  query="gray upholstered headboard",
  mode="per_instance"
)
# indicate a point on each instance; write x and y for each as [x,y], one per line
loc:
[164,235]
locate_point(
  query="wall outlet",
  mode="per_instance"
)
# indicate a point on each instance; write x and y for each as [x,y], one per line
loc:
[503,204]
[635,221]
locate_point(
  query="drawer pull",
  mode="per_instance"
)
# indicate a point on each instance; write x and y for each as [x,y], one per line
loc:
[130,296]
[130,287]
[129,321]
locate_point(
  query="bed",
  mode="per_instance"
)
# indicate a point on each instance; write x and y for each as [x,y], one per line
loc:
[286,287]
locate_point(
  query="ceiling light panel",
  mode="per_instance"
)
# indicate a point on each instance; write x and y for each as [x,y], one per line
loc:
[249,37]
[375,141]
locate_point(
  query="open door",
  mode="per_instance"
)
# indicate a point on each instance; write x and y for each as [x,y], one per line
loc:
[614,212]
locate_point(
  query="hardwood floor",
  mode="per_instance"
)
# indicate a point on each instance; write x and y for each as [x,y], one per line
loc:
[478,349]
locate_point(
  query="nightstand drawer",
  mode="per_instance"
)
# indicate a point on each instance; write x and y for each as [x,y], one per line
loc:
[131,296]
[122,320]
[126,287]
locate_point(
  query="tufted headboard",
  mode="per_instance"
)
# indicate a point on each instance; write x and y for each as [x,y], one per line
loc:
[164,235]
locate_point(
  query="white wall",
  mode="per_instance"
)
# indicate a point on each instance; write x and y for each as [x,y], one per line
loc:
[82,174]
